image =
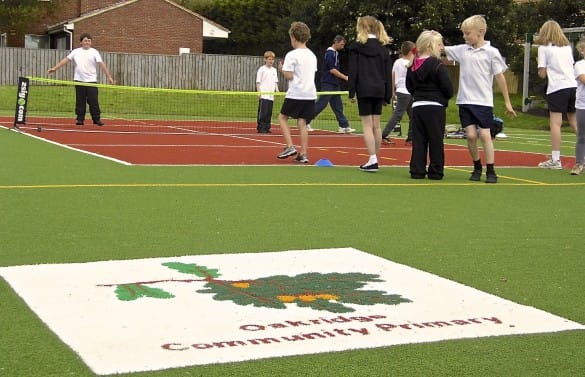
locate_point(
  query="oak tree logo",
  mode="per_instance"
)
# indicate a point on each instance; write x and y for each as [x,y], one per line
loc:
[327,292]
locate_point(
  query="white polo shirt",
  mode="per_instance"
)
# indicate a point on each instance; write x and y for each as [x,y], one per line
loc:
[580,70]
[303,64]
[399,69]
[558,61]
[86,62]
[267,78]
[478,66]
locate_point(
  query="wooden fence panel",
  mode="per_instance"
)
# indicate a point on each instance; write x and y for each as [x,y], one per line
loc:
[187,71]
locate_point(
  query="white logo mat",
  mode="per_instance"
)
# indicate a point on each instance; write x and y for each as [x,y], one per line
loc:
[150,314]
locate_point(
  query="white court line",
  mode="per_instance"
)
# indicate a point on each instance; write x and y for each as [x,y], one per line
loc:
[74,149]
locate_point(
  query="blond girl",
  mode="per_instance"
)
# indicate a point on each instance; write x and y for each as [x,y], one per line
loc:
[555,63]
[428,81]
[369,80]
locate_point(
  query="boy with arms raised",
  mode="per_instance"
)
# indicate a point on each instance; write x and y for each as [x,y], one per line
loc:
[299,69]
[479,64]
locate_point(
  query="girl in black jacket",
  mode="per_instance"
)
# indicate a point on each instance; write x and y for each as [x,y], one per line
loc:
[369,79]
[428,81]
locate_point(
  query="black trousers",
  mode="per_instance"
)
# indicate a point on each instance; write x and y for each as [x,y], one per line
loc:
[87,95]
[428,130]
[264,114]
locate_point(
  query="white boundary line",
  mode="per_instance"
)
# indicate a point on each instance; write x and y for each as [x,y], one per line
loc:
[71,148]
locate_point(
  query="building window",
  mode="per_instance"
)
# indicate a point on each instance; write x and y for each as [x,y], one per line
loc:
[61,42]
[36,41]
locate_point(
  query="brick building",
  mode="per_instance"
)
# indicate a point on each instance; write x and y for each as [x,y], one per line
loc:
[130,26]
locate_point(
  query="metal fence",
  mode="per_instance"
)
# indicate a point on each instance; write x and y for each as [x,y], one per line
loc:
[187,71]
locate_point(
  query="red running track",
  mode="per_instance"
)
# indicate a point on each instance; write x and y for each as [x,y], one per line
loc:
[185,145]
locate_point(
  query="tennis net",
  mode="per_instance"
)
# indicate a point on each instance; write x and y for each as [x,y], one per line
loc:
[51,104]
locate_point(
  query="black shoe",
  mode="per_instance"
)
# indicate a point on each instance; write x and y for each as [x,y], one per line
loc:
[387,140]
[264,131]
[372,168]
[98,122]
[476,175]
[491,178]
[79,123]
[417,176]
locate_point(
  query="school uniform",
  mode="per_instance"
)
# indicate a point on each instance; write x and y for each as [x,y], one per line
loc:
[428,82]
[370,75]
[266,79]
[330,83]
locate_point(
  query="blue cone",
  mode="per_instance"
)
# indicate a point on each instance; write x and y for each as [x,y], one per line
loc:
[324,162]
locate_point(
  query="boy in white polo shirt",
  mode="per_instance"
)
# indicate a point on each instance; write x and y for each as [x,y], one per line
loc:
[299,69]
[266,83]
[479,64]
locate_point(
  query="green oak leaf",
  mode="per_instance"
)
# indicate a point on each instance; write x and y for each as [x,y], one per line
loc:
[130,292]
[193,269]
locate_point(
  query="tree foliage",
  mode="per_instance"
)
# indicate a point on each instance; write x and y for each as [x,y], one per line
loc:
[257,25]
[568,13]
[254,25]
[406,19]
[16,15]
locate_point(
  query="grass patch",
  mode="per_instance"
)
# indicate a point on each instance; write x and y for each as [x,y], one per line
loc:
[520,239]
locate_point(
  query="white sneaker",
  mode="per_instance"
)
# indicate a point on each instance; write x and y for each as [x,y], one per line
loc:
[309,128]
[577,169]
[550,164]
[501,136]
[345,130]
[287,152]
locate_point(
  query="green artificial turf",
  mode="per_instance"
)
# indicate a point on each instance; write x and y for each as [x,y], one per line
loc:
[521,239]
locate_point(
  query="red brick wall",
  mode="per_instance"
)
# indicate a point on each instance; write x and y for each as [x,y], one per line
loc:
[66,10]
[89,5]
[146,26]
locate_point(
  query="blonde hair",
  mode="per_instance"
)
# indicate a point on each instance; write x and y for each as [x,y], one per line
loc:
[269,54]
[551,32]
[428,43]
[370,25]
[476,22]
[581,46]
[300,31]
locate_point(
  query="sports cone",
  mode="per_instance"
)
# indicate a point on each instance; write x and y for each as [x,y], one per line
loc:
[324,162]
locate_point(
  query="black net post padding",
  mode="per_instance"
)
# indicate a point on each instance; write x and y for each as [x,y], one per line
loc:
[21,101]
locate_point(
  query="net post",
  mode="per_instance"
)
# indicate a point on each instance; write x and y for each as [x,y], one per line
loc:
[21,102]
